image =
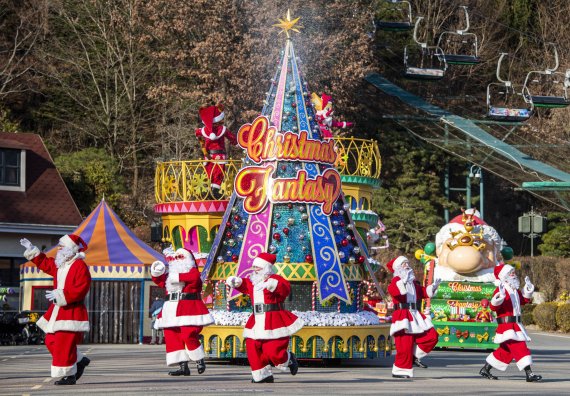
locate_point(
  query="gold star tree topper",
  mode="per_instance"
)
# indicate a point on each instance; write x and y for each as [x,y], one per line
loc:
[288,24]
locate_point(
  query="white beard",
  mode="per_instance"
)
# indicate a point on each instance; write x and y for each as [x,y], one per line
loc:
[405,274]
[513,282]
[63,256]
[180,266]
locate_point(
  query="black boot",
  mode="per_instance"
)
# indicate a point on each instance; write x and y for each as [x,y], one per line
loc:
[293,364]
[268,380]
[530,376]
[183,370]
[201,366]
[84,362]
[69,380]
[400,376]
[486,372]
[418,363]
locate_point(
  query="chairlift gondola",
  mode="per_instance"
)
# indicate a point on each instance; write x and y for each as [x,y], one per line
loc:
[396,16]
[548,88]
[423,62]
[504,102]
[460,47]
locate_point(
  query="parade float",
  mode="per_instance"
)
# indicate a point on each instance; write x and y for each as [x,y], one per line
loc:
[298,195]
[464,254]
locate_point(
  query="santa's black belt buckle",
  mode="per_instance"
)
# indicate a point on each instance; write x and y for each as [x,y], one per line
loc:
[258,308]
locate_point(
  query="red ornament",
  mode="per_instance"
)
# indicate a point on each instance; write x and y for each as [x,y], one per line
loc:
[228,234]
[236,217]
[277,236]
[309,258]
[342,224]
[274,225]
[235,258]
[293,105]
[286,231]
[335,212]
[290,205]
[361,259]
[228,224]
[344,242]
[283,167]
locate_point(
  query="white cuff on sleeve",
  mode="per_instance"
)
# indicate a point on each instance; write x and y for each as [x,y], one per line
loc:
[401,287]
[430,291]
[497,300]
[526,293]
[32,253]
[60,298]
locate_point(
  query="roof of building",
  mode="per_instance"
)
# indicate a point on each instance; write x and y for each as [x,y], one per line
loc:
[46,199]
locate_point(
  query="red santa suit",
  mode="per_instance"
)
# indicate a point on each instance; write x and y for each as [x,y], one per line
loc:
[413,332]
[183,314]
[510,333]
[66,319]
[270,326]
[324,113]
[214,136]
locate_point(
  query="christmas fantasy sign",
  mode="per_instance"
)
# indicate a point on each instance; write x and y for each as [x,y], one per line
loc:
[264,145]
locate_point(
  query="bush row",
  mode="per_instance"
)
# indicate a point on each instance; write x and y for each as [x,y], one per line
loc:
[548,316]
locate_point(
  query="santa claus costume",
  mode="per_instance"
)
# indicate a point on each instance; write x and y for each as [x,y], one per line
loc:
[413,332]
[269,328]
[511,335]
[66,319]
[213,136]
[324,115]
[183,314]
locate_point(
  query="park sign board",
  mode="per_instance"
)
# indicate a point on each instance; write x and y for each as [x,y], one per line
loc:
[265,146]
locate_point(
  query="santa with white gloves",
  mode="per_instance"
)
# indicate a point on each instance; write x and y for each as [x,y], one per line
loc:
[183,314]
[66,319]
[413,332]
[507,302]
[270,327]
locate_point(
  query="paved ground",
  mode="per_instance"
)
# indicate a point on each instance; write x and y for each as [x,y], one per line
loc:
[139,369]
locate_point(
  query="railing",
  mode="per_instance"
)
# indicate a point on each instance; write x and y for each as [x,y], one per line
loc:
[183,181]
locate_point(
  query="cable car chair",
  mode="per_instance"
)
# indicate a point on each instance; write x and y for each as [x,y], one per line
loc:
[396,16]
[460,47]
[548,88]
[423,62]
[504,102]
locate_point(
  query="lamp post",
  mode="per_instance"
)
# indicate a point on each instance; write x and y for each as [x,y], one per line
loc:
[476,172]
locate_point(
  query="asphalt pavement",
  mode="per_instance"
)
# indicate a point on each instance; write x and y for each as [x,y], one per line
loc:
[140,369]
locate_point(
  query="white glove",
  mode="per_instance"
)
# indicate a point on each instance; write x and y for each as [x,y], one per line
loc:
[502,290]
[157,268]
[50,294]
[233,281]
[435,284]
[260,286]
[529,287]
[410,278]
[26,243]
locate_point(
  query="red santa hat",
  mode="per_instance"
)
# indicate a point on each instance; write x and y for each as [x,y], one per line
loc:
[264,260]
[502,270]
[211,115]
[73,242]
[394,264]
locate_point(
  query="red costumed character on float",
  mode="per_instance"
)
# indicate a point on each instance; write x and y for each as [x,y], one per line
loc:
[183,314]
[484,313]
[507,302]
[212,137]
[66,319]
[413,333]
[324,114]
[270,327]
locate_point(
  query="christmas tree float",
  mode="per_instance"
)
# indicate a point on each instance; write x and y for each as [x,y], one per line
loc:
[287,199]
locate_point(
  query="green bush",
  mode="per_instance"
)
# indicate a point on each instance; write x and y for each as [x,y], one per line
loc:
[527,311]
[545,315]
[563,317]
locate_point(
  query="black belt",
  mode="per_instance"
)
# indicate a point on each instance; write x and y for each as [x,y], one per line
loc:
[216,151]
[183,296]
[509,319]
[262,308]
[407,306]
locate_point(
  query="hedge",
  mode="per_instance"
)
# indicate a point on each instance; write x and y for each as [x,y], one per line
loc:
[545,315]
[563,317]
[527,317]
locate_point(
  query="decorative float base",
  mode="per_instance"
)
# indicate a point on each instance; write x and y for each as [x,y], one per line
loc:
[466,335]
[311,342]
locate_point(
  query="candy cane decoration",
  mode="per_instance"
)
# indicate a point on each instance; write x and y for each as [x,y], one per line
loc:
[358,297]
[227,299]
[313,297]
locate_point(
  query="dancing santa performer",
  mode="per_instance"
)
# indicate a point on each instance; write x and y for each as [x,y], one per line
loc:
[66,319]
[507,302]
[183,314]
[413,333]
[212,137]
[270,327]
[324,115]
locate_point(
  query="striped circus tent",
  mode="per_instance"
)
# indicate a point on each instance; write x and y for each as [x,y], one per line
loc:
[120,290]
